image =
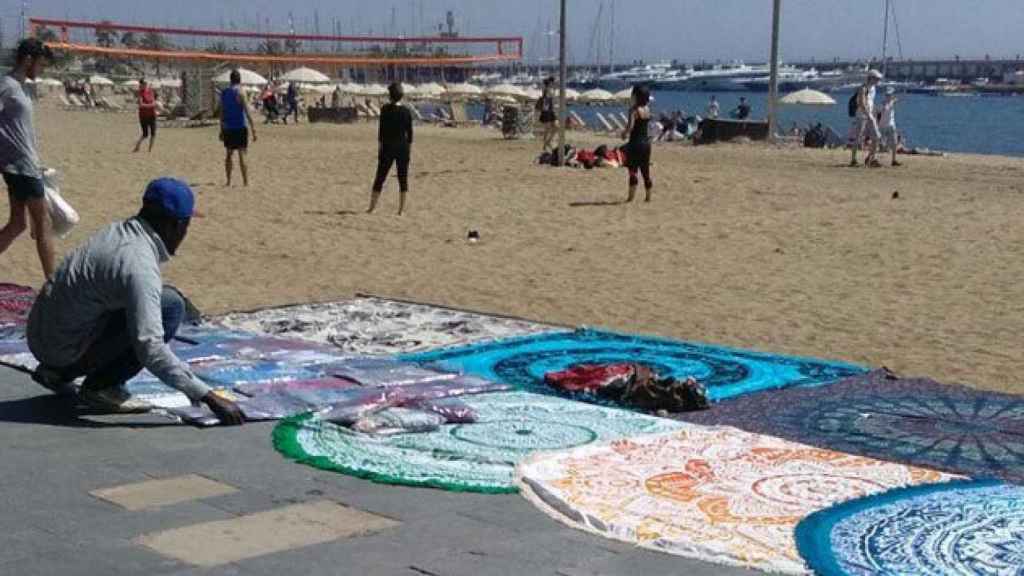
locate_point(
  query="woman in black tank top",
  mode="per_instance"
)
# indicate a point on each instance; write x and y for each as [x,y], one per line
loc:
[638,148]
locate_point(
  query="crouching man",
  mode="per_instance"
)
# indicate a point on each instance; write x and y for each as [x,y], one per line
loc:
[106,314]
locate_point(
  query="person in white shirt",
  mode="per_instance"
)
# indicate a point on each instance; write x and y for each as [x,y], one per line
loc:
[867,125]
[887,123]
[713,108]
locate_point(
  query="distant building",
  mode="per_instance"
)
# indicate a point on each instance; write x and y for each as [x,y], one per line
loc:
[1015,78]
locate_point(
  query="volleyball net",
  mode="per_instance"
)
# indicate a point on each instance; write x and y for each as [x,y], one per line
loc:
[114,40]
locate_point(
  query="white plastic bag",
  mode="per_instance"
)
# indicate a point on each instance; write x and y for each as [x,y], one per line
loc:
[62,216]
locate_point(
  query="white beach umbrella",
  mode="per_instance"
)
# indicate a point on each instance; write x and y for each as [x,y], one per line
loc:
[533,93]
[431,90]
[464,90]
[249,78]
[130,84]
[306,75]
[624,94]
[506,90]
[49,82]
[168,82]
[350,88]
[597,95]
[97,80]
[500,99]
[374,90]
[571,94]
[808,97]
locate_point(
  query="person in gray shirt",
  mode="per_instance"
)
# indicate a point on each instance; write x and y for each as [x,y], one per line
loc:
[106,314]
[19,160]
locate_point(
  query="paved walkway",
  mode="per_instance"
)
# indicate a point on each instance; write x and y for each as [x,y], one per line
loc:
[95,494]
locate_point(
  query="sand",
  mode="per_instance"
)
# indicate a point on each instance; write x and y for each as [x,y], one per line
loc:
[783,250]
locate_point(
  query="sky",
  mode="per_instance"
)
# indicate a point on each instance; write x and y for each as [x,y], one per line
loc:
[687,30]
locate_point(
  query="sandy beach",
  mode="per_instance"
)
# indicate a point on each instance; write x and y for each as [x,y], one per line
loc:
[782,250]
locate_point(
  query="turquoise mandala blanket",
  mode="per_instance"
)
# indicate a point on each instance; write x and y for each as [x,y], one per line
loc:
[726,372]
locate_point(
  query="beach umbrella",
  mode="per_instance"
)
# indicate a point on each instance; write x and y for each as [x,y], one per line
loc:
[350,88]
[97,80]
[306,76]
[374,90]
[130,84]
[597,95]
[571,94]
[168,82]
[431,90]
[506,90]
[503,100]
[808,97]
[625,94]
[533,93]
[249,78]
[464,90]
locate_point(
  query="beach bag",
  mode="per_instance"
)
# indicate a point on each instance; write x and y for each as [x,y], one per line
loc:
[62,216]
[852,106]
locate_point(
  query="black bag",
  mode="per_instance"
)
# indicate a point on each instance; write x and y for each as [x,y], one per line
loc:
[539,106]
[852,106]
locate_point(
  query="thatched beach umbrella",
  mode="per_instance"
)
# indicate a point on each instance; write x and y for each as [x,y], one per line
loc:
[533,93]
[506,90]
[305,75]
[597,95]
[808,97]
[464,89]
[624,94]
[97,80]
[249,78]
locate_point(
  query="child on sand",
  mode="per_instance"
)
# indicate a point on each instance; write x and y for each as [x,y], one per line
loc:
[638,148]
[887,124]
[395,140]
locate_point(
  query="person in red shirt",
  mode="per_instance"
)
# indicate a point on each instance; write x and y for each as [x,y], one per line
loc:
[147,114]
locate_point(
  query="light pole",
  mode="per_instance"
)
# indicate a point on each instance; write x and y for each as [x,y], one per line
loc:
[773,82]
[561,89]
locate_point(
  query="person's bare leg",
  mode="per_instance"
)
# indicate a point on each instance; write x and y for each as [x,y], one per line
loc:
[244,169]
[15,225]
[152,140]
[228,166]
[44,235]
[374,197]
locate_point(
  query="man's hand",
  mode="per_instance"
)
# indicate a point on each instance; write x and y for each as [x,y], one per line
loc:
[226,410]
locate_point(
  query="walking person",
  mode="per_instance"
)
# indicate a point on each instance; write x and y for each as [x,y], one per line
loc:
[292,99]
[235,124]
[888,123]
[867,125]
[546,107]
[638,148]
[147,114]
[106,313]
[394,138]
[19,158]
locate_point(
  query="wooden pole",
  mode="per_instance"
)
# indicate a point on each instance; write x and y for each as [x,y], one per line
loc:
[562,73]
[773,82]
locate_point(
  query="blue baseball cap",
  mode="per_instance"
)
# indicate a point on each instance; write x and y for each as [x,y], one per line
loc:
[173,196]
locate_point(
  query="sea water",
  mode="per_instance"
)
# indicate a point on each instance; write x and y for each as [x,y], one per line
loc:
[972,124]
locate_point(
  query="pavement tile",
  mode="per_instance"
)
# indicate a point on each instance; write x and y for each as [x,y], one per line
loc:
[300,525]
[163,492]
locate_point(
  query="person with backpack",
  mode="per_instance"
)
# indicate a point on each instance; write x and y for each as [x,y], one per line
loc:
[546,107]
[867,124]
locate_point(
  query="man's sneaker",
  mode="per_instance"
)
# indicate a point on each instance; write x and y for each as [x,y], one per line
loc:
[114,399]
[53,381]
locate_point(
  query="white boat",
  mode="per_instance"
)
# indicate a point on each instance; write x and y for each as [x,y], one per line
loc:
[730,77]
[643,74]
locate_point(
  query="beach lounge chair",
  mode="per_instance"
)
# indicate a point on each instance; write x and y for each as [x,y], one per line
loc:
[624,118]
[459,115]
[111,105]
[416,114]
[363,110]
[604,122]
[75,101]
[67,104]
[374,110]
[616,122]
[578,120]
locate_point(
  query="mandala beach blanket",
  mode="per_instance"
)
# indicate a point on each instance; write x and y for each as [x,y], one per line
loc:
[968,528]
[15,303]
[725,372]
[376,326]
[478,457]
[716,494]
[911,420]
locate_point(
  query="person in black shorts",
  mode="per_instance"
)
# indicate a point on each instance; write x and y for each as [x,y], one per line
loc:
[235,125]
[546,107]
[395,140]
[638,148]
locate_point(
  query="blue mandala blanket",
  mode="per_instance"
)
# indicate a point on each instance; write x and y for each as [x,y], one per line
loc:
[726,372]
